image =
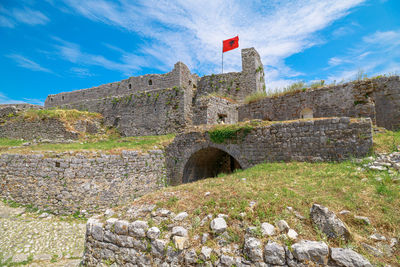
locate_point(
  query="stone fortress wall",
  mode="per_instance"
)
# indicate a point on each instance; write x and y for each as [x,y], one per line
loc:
[67,183]
[167,103]
[378,99]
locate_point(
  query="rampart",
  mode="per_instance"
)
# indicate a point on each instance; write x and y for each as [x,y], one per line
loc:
[179,76]
[378,99]
[66,184]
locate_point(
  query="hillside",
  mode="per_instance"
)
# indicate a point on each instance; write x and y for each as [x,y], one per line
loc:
[271,192]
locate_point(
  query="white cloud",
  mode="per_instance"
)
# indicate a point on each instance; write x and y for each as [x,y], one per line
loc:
[81,72]
[26,63]
[9,18]
[192,31]
[6,22]
[127,63]
[377,53]
[6,100]
[29,16]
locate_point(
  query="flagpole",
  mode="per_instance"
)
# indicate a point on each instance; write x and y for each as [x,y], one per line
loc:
[222,59]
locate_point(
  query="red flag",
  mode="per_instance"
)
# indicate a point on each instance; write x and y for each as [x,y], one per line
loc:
[230,44]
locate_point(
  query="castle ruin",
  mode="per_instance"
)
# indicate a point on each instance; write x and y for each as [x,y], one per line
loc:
[157,104]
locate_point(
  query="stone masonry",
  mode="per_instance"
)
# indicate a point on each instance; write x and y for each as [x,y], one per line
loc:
[332,139]
[166,103]
[67,183]
[378,99]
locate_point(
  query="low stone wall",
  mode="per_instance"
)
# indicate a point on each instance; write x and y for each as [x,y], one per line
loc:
[66,183]
[331,139]
[52,129]
[135,243]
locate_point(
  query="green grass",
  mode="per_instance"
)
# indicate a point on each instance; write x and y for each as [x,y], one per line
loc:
[62,114]
[5,142]
[112,144]
[275,186]
[388,141]
[255,97]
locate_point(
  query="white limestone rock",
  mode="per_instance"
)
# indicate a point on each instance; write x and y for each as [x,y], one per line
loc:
[283,226]
[314,251]
[218,225]
[267,229]
[348,258]
[274,253]
[328,223]
[181,216]
[179,231]
[153,233]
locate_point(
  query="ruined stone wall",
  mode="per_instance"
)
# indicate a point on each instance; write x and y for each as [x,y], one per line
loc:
[47,129]
[236,85]
[378,99]
[9,110]
[153,112]
[179,76]
[65,183]
[214,110]
[332,139]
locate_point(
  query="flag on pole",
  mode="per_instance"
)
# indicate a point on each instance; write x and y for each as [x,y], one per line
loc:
[230,44]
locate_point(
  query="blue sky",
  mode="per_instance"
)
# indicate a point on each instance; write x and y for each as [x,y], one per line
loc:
[52,46]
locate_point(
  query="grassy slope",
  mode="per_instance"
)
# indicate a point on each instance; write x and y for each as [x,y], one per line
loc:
[275,186]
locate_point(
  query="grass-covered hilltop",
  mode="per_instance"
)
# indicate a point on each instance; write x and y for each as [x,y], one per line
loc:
[363,193]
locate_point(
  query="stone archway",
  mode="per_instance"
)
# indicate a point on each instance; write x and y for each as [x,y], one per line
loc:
[208,162]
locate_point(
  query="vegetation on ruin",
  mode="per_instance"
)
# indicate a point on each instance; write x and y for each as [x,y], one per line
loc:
[255,97]
[275,186]
[386,141]
[302,86]
[112,144]
[65,115]
[233,132]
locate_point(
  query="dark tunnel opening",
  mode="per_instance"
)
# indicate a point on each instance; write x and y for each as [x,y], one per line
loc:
[208,162]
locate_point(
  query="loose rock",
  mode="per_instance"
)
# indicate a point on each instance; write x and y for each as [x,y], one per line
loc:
[328,223]
[218,225]
[317,252]
[274,253]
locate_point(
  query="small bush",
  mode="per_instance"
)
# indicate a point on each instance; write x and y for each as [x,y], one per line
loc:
[221,133]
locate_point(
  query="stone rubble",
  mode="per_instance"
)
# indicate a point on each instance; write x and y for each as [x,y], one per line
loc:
[172,247]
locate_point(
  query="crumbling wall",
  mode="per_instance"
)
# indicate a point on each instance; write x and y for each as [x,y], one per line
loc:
[153,112]
[65,183]
[378,99]
[214,110]
[7,111]
[236,85]
[45,129]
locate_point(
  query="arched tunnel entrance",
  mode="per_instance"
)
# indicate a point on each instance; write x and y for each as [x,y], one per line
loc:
[208,162]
